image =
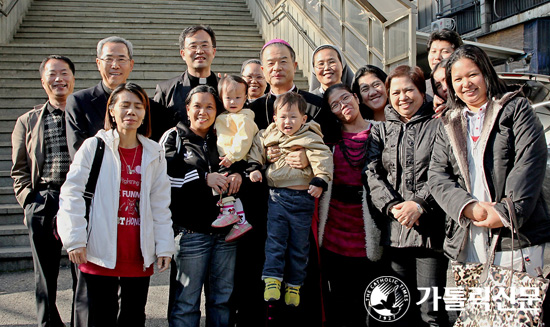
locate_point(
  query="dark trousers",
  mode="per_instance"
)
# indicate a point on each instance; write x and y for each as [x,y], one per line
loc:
[348,278]
[46,254]
[103,300]
[79,310]
[420,267]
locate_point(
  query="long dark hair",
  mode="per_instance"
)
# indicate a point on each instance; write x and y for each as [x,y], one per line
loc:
[366,112]
[110,123]
[495,85]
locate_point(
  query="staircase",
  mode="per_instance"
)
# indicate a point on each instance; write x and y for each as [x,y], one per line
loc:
[73,28]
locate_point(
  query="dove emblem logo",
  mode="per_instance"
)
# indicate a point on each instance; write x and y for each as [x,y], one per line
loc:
[387,299]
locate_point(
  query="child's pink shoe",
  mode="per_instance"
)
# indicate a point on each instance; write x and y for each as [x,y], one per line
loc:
[237,231]
[225,220]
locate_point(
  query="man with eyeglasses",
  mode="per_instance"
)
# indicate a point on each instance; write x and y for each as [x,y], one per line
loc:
[197,49]
[85,110]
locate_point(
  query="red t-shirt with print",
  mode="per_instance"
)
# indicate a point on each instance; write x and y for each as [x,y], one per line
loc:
[129,261]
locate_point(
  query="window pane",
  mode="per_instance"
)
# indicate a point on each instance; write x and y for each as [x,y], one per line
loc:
[399,36]
[334,5]
[356,48]
[312,9]
[377,36]
[356,16]
[332,26]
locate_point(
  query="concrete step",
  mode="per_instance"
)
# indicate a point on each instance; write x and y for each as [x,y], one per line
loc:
[15,258]
[5,137]
[141,63]
[91,41]
[14,235]
[204,14]
[5,149]
[12,219]
[46,34]
[216,24]
[149,57]
[7,123]
[7,195]
[163,25]
[147,4]
[167,51]
[5,180]
[6,209]
[184,13]
[5,162]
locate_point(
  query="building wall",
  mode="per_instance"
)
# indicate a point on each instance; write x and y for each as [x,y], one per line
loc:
[511,37]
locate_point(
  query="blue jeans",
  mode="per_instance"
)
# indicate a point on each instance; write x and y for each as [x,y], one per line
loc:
[203,259]
[288,222]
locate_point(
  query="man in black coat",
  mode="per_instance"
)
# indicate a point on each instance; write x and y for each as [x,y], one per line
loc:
[85,109]
[198,49]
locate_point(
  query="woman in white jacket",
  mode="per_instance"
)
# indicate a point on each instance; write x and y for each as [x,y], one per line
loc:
[130,223]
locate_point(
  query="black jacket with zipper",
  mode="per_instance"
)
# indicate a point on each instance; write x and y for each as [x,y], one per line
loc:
[514,163]
[189,158]
[396,170]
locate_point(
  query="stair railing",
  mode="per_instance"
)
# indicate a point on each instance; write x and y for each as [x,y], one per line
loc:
[12,12]
[9,7]
[378,32]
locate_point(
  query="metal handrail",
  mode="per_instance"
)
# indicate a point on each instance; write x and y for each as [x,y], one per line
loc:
[284,13]
[9,8]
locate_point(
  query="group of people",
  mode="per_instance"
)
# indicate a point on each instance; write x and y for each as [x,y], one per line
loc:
[243,184]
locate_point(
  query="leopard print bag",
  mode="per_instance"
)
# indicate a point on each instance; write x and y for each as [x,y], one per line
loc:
[499,296]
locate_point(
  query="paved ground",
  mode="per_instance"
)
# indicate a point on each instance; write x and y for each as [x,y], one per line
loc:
[18,308]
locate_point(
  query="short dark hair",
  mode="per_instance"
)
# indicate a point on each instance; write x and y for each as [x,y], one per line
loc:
[145,128]
[205,89]
[231,78]
[192,30]
[58,57]
[414,73]
[292,53]
[441,64]
[445,35]
[495,85]
[290,98]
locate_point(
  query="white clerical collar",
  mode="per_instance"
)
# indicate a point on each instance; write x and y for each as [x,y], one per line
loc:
[292,89]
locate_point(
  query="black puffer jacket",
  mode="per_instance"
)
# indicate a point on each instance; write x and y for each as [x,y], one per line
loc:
[396,170]
[514,162]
